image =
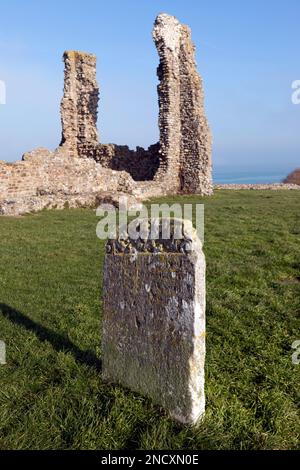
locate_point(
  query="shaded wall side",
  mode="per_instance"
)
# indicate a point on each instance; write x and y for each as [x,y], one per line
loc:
[195,148]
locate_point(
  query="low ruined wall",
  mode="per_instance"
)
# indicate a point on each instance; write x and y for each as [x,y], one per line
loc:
[258,186]
[141,164]
[54,179]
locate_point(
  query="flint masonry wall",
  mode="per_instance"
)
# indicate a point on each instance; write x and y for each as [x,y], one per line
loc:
[196,142]
[141,164]
[79,106]
[79,109]
[185,139]
[52,179]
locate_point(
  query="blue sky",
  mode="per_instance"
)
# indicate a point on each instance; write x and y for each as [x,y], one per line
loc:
[247,54]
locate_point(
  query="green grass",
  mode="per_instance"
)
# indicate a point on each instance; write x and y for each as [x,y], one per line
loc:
[51,393]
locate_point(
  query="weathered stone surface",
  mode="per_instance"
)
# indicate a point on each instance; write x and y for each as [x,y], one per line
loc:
[54,180]
[79,106]
[154,321]
[141,164]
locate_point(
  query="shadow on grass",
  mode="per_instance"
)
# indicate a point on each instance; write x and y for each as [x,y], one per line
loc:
[59,342]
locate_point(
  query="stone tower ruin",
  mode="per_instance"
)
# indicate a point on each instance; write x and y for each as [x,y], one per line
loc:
[185,139]
[181,161]
[83,171]
[79,106]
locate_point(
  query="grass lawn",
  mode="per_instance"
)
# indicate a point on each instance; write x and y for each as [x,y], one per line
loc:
[51,393]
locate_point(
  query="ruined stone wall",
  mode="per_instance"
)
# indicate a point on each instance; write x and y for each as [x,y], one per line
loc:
[79,123]
[185,140]
[141,164]
[79,106]
[53,179]
[166,34]
[195,145]
[82,168]
[182,159]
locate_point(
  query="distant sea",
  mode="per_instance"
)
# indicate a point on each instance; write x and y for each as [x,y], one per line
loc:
[231,176]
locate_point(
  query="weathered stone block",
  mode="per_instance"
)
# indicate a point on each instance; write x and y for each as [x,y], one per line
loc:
[154,322]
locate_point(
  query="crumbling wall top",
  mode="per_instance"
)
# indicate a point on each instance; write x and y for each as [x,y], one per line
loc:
[167,29]
[79,54]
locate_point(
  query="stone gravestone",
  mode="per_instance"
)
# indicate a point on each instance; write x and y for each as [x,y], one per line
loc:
[154,320]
